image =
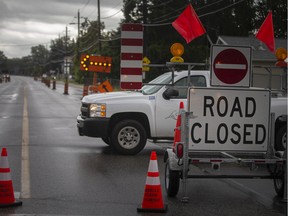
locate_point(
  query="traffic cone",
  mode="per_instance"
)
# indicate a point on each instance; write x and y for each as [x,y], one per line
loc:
[152,200]
[7,198]
[177,130]
[85,90]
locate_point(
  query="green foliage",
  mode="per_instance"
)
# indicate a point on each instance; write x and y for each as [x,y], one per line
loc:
[39,56]
[3,61]
[224,17]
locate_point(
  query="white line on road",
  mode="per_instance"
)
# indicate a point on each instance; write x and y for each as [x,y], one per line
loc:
[25,174]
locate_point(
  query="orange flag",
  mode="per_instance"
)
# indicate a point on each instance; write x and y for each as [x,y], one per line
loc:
[188,24]
[266,33]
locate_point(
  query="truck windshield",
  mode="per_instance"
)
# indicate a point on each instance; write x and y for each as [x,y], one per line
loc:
[160,81]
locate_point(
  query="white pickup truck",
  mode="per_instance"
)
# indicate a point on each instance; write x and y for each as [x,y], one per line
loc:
[126,119]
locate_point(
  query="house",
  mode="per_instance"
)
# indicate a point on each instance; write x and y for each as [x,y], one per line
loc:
[265,73]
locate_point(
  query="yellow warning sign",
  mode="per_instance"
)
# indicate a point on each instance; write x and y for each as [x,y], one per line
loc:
[105,87]
[145,61]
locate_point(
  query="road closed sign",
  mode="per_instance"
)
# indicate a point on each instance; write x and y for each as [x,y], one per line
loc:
[230,66]
[229,119]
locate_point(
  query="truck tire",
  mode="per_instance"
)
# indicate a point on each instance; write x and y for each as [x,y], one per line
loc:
[128,137]
[279,180]
[281,139]
[172,181]
[106,140]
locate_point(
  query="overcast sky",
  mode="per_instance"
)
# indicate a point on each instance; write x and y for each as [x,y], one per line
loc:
[27,23]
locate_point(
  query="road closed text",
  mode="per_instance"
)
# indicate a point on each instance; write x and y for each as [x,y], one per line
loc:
[230,120]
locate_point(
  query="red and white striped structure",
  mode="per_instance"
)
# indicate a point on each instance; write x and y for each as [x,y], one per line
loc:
[131,56]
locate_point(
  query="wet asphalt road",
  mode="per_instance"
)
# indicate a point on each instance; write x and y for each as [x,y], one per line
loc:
[57,172]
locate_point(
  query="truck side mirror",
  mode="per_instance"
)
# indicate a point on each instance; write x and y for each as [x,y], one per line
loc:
[170,92]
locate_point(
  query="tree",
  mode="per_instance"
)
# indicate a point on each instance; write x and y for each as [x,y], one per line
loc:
[3,58]
[39,56]
[279,11]
[59,49]
[3,61]
[90,43]
[159,34]
[219,17]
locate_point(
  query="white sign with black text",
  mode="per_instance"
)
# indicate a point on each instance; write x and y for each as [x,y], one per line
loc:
[229,119]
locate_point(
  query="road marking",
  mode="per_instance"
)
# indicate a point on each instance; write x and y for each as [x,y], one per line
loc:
[263,199]
[25,174]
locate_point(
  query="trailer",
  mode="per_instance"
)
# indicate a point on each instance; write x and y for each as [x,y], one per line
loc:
[226,133]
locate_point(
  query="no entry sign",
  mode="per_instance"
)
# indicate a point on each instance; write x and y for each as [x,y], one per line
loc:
[230,66]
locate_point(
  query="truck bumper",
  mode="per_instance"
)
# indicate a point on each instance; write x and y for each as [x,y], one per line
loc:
[92,127]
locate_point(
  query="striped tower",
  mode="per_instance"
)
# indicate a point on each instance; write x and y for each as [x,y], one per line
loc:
[152,200]
[6,188]
[131,56]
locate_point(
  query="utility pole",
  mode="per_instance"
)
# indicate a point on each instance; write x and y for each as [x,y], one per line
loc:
[99,42]
[99,26]
[78,39]
[78,33]
[65,64]
[145,36]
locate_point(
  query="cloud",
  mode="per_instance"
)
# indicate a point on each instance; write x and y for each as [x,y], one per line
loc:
[27,23]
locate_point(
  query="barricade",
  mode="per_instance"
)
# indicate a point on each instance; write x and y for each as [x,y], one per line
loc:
[85,90]
[66,88]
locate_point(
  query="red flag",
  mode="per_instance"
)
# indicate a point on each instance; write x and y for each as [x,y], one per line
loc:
[188,24]
[266,32]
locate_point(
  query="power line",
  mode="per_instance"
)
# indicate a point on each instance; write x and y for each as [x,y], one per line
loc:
[3,45]
[203,15]
[112,15]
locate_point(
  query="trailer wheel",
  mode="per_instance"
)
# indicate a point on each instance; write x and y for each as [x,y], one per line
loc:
[172,181]
[128,137]
[281,139]
[279,180]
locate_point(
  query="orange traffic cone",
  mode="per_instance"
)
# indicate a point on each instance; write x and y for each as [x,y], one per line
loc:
[177,130]
[152,200]
[7,198]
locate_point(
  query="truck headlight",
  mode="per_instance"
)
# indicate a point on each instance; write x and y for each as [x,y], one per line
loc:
[97,110]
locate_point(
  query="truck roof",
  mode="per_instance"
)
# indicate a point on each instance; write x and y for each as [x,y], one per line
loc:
[192,72]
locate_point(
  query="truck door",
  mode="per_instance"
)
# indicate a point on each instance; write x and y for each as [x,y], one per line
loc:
[167,110]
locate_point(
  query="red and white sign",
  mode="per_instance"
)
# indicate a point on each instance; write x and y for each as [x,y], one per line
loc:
[231,66]
[131,56]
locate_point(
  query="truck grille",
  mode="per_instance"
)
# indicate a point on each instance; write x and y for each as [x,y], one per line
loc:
[84,110]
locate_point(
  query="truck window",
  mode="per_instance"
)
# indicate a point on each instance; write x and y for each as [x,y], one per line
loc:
[182,86]
[160,81]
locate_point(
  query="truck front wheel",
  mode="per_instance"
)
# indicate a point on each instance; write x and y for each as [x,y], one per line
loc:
[128,137]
